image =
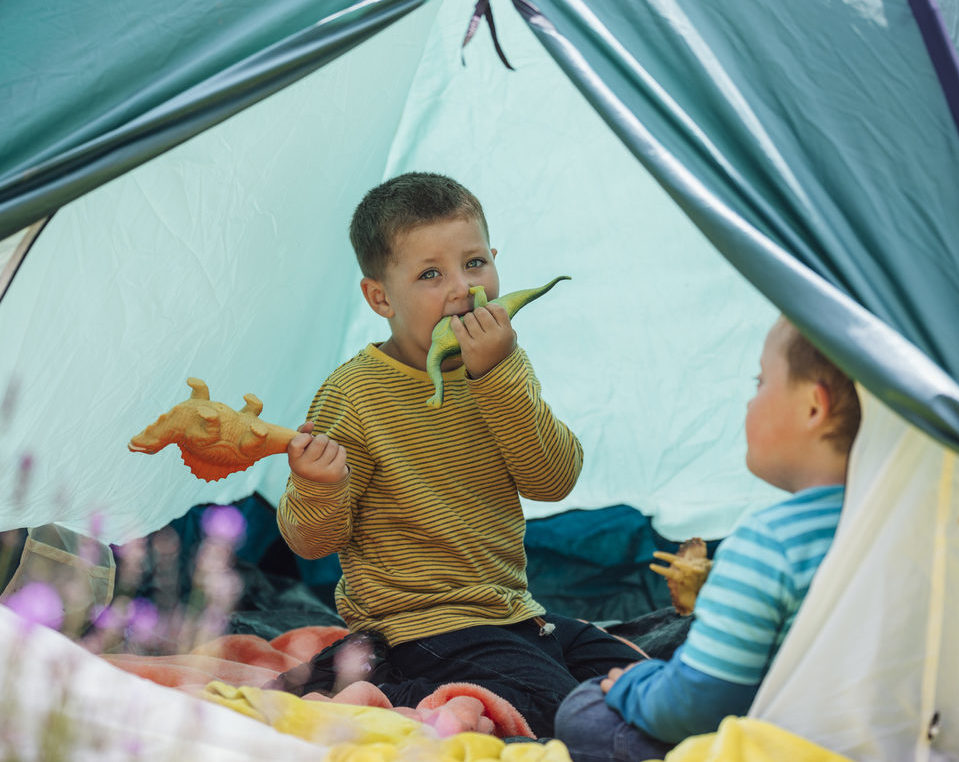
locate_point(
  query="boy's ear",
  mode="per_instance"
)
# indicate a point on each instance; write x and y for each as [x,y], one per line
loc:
[820,405]
[493,252]
[376,297]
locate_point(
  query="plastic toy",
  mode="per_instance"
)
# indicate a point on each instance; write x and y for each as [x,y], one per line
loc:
[214,439]
[444,343]
[686,573]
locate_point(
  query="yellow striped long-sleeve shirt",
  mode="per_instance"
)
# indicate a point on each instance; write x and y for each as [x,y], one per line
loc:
[428,523]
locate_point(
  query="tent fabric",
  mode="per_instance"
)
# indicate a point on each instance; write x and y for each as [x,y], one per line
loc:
[811,143]
[765,122]
[189,237]
[12,251]
[941,50]
[227,259]
[172,72]
[880,606]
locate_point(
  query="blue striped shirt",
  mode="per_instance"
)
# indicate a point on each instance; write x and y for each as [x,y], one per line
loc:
[760,576]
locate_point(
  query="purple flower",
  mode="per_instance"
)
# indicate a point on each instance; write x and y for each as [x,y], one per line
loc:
[107,618]
[38,603]
[224,523]
[24,469]
[9,400]
[134,746]
[96,524]
[142,619]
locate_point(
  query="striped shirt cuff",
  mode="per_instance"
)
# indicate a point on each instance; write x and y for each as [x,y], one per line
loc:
[513,368]
[331,493]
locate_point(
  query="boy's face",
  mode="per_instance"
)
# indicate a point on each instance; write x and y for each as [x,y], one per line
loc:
[429,276]
[778,417]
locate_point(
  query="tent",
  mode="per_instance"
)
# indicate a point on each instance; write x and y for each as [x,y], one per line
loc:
[175,186]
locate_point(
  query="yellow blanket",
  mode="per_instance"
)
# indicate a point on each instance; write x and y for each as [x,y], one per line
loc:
[372,734]
[741,739]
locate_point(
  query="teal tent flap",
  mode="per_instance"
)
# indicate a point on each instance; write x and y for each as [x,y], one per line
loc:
[812,143]
[173,71]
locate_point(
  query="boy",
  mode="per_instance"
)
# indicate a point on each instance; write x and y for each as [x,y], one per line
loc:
[422,504]
[799,429]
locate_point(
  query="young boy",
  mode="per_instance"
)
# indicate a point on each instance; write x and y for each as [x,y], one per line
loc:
[422,504]
[799,429]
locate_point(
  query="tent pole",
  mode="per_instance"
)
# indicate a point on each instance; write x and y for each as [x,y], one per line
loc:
[937,603]
[11,267]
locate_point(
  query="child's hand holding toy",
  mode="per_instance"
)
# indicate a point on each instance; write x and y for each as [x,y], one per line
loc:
[485,335]
[316,458]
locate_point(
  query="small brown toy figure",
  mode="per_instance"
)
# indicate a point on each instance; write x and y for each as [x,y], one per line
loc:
[214,439]
[686,573]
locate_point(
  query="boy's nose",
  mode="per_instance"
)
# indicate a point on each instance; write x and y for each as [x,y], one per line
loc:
[460,288]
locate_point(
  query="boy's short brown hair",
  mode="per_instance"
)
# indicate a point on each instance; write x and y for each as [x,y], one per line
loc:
[806,363]
[401,204]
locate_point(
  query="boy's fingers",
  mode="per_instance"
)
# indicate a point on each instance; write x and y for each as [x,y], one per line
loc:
[298,444]
[498,312]
[459,330]
[339,462]
[470,324]
[607,682]
[330,454]
[485,319]
[306,427]
[318,447]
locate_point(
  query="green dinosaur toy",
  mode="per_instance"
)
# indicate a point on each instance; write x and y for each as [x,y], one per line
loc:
[444,342]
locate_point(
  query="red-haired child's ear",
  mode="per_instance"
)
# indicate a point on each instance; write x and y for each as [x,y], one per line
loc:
[820,404]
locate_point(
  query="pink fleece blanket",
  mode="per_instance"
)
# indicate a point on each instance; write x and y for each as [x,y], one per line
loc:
[252,660]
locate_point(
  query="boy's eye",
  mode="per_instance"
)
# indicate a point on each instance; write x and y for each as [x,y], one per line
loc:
[759,380]
[429,274]
[476,262]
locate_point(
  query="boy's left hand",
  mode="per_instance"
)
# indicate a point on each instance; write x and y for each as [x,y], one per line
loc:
[486,338]
[614,674]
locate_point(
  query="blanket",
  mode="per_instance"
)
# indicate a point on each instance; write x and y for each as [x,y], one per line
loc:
[248,661]
[744,739]
[370,732]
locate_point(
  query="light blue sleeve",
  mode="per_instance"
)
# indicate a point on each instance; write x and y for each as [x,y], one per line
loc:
[741,612]
[672,701]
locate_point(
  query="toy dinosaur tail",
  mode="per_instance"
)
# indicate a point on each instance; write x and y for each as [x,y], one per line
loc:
[518,299]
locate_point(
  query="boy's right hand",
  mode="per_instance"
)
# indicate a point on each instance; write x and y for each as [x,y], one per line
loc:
[614,674]
[316,458]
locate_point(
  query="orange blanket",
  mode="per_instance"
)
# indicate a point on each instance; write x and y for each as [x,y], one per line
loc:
[251,660]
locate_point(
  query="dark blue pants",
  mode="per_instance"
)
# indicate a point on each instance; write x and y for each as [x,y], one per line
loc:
[533,672]
[595,733]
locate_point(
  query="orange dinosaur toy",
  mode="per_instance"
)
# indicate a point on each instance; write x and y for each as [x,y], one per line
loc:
[214,439]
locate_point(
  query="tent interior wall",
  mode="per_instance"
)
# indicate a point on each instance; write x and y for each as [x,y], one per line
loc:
[204,260]
[227,258]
